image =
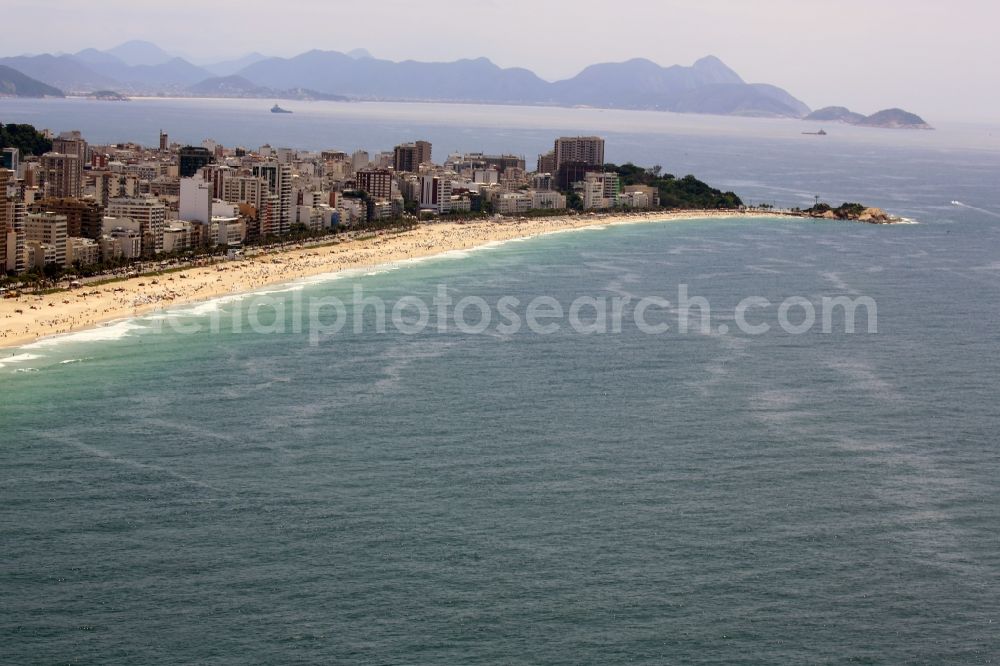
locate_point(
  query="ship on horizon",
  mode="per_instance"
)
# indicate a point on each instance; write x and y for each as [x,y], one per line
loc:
[278,109]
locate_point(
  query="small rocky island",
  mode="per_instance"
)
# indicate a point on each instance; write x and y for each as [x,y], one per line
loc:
[108,96]
[854,212]
[886,119]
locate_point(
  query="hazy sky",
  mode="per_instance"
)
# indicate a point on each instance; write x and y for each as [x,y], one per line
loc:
[938,59]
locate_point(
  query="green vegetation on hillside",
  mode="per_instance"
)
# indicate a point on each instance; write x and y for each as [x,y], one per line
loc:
[846,211]
[25,138]
[686,192]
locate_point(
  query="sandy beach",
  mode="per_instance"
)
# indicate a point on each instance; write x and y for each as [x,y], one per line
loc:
[31,317]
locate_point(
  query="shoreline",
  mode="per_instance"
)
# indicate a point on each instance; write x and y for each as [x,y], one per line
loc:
[31,318]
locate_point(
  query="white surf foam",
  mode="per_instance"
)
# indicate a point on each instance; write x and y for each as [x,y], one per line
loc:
[204,307]
[492,245]
[108,332]
[590,227]
[19,358]
[315,279]
[451,254]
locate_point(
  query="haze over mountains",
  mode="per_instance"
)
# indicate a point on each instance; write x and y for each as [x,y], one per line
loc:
[707,86]
[887,118]
[14,83]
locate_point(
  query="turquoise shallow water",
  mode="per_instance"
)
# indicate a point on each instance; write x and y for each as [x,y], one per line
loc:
[453,498]
[523,498]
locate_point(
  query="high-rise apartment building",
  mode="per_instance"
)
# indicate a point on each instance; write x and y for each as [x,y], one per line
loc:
[151,215]
[83,216]
[192,158]
[600,190]
[359,159]
[71,143]
[268,216]
[14,213]
[376,182]
[45,233]
[3,237]
[195,203]
[504,162]
[571,172]
[279,183]
[480,161]
[10,159]
[586,149]
[435,194]
[245,189]
[5,176]
[12,239]
[409,156]
[111,185]
[60,175]
[547,163]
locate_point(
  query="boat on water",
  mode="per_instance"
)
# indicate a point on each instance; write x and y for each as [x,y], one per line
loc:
[278,109]
[822,132]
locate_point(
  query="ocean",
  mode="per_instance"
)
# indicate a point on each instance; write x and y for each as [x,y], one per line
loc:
[184,488]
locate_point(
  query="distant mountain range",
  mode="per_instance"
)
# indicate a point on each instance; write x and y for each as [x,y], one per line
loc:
[138,52]
[15,84]
[708,86]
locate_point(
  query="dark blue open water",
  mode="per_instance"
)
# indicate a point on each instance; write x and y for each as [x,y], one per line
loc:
[524,498]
